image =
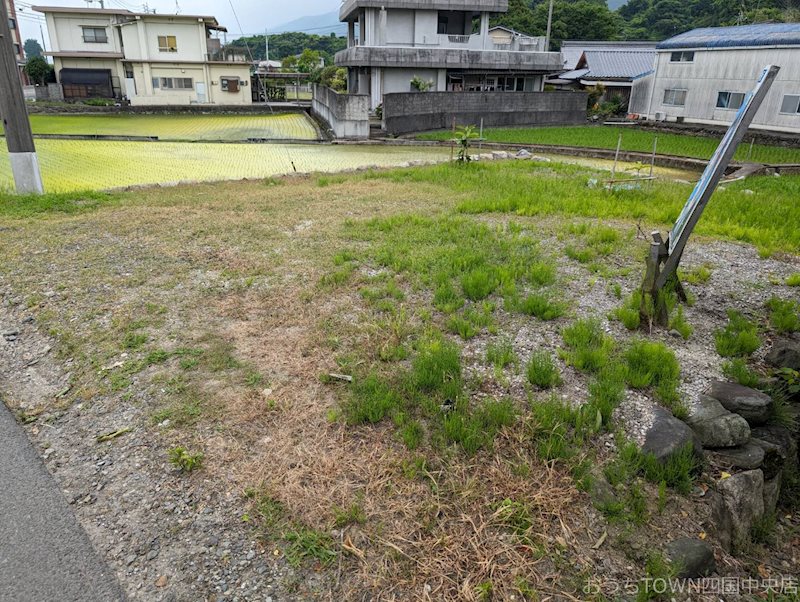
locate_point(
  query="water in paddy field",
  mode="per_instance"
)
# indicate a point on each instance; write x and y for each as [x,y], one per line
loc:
[69,165]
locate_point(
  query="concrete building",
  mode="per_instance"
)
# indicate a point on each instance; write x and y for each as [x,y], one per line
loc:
[702,76]
[148,59]
[16,38]
[444,43]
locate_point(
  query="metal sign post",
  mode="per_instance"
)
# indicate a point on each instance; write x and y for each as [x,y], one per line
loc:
[669,253]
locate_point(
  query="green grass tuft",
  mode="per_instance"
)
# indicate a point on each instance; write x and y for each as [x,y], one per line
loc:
[501,354]
[542,307]
[653,365]
[739,338]
[479,283]
[542,371]
[371,400]
[737,370]
[793,279]
[588,346]
[784,314]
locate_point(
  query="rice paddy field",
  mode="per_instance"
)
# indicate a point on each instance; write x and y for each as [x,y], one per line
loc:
[281,126]
[70,165]
[632,140]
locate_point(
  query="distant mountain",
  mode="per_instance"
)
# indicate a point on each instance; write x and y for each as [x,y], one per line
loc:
[322,25]
[615,4]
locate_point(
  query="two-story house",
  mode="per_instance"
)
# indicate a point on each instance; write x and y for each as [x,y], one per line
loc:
[444,43]
[16,38]
[149,59]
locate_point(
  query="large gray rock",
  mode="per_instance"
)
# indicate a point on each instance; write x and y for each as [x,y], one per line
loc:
[715,426]
[600,490]
[772,492]
[781,437]
[745,457]
[774,457]
[785,354]
[668,435]
[693,557]
[742,504]
[752,405]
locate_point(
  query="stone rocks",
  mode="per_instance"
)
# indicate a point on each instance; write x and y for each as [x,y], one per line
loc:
[600,490]
[752,405]
[715,426]
[746,457]
[774,457]
[694,557]
[781,437]
[785,354]
[523,154]
[740,505]
[772,492]
[500,154]
[668,435]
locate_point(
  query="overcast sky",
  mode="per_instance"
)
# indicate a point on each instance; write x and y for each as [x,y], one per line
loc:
[254,15]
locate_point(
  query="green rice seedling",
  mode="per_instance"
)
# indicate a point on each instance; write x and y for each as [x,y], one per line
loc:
[653,365]
[500,354]
[793,279]
[737,370]
[739,338]
[784,314]
[542,307]
[588,347]
[542,371]
[479,283]
[371,399]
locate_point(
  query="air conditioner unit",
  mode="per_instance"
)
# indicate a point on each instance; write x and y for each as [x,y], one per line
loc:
[661,116]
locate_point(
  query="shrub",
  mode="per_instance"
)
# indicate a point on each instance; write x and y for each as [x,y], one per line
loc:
[542,370]
[588,346]
[739,337]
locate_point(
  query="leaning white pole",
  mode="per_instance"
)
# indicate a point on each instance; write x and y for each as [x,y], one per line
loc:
[19,139]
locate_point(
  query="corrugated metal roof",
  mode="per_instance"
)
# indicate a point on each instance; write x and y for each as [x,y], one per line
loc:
[767,34]
[572,50]
[612,64]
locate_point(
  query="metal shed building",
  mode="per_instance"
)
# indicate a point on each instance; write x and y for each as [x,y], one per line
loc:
[702,76]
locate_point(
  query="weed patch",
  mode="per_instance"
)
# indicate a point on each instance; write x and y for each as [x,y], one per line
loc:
[784,314]
[652,365]
[182,458]
[739,337]
[588,346]
[542,371]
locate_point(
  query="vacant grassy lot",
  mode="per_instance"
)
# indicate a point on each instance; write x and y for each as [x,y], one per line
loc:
[410,379]
[632,140]
[87,164]
[281,126]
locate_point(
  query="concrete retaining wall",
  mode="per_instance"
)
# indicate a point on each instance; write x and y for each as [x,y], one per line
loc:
[416,112]
[346,114]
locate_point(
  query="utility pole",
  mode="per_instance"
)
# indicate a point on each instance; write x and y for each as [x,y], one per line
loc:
[19,139]
[549,24]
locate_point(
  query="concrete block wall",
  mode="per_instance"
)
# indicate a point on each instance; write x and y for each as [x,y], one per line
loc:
[346,114]
[415,112]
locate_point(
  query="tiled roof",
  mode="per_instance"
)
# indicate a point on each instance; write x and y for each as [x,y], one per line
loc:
[767,34]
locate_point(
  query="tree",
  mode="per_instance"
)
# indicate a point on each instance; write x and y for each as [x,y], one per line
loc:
[308,61]
[32,48]
[38,69]
[582,20]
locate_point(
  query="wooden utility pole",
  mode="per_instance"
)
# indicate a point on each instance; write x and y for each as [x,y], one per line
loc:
[19,139]
[549,27]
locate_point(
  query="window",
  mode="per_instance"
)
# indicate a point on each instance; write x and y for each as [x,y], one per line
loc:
[167,44]
[12,24]
[95,35]
[674,97]
[442,24]
[684,56]
[173,83]
[229,84]
[17,50]
[791,104]
[730,100]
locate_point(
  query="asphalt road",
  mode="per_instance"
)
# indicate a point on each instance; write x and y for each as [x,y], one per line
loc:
[44,553]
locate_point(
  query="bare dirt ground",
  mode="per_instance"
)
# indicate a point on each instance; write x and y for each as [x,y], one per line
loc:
[193,316]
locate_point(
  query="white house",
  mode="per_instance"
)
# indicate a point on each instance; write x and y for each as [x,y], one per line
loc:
[150,59]
[702,76]
[445,43]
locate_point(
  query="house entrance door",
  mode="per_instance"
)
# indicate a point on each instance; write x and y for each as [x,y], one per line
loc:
[200,88]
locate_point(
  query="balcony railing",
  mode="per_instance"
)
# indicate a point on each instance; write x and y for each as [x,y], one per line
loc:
[458,39]
[227,56]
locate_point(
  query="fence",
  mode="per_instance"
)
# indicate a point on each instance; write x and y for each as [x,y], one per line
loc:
[346,114]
